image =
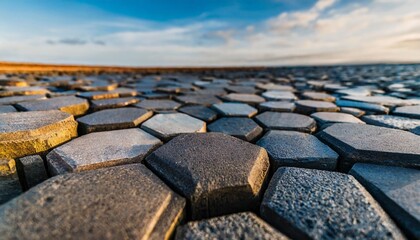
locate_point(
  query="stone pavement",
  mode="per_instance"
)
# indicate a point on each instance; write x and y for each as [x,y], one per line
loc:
[278,153]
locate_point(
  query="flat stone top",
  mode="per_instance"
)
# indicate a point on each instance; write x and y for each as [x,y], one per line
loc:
[243,225]
[402,185]
[200,112]
[125,202]
[99,149]
[244,97]
[200,99]
[408,111]
[335,117]
[286,121]
[381,100]
[279,95]
[315,104]
[241,127]
[17,99]
[111,116]
[278,106]
[52,103]
[235,109]
[392,121]
[11,123]
[372,138]
[156,105]
[319,204]
[318,96]
[204,162]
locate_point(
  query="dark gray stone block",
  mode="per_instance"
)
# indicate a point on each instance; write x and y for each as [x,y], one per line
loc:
[101,104]
[200,112]
[243,128]
[408,111]
[311,106]
[286,121]
[390,121]
[31,171]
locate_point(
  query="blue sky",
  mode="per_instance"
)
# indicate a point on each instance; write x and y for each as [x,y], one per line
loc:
[212,32]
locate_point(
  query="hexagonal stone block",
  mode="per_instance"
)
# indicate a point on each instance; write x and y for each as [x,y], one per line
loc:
[277,106]
[369,107]
[167,126]
[22,91]
[235,109]
[27,133]
[397,190]
[242,128]
[296,149]
[110,148]
[69,104]
[199,99]
[318,96]
[279,96]
[124,202]
[371,144]
[101,104]
[408,111]
[98,95]
[200,112]
[317,204]
[381,100]
[325,119]
[217,173]
[113,119]
[310,106]
[244,225]
[353,111]
[391,121]
[31,171]
[7,109]
[243,98]
[286,121]
[17,99]
[158,105]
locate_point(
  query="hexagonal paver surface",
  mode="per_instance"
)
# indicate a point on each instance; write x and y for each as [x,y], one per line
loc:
[69,104]
[277,106]
[286,121]
[279,96]
[311,106]
[390,121]
[101,104]
[217,173]
[124,202]
[408,111]
[318,96]
[325,119]
[369,107]
[372,144]
[317,204]
[17,99]
[244,225]
[243,128]
[158,105]
[112,119]
[397,190]
[244,98]
[235,109]
[296,149]
[167,126]
[200,112]
[26,133]
[111,148]
[22,91]
[98,95]
[199,99]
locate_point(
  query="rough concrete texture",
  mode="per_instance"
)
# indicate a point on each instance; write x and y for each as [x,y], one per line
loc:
[124,202]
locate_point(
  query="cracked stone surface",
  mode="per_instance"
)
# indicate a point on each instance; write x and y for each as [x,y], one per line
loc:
[217,173]
[27,133]
[113,119]
[243,128]
[286,121]
[69,104]
[112,148]
[167,126]
[317,204]
[235,226]
[397,190]
[124,202]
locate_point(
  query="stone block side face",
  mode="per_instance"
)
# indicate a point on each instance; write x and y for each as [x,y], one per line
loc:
[317,204]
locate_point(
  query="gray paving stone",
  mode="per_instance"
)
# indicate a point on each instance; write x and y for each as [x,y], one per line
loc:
[243,98]
[235,226]
[98,95]
[277,106]
[235,109]
[31,171]
[391,121]
[296,149]
[169,125]
[317,204]
[124,202]
[69,104]
[7,109]
[17,99]
[111,148]
[113,119]
[371,144]
[158,105]
[9,187]
[286,121]
[353,111]
[369,107]
[274,87]
[27,133]
[102,104]
[408,111]
[206,100]
[325,119]
[318,96]
[242,89]
[279,96]
[243,128]
[22,91]
[397,190]
[125,92]
[311,106]
[381,100]
[200,112]
[99,85]
[217,173]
